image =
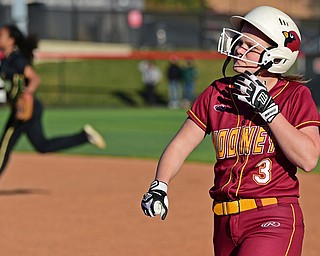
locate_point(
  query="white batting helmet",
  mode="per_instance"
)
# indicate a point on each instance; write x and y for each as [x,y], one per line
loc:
[277,26]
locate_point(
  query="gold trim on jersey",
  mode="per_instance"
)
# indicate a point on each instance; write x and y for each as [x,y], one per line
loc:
[194,115]
[238,126]
[245,163]
[284,87]
[293,230]
[307,122]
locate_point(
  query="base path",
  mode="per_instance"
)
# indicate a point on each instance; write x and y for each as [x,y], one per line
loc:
[59,205]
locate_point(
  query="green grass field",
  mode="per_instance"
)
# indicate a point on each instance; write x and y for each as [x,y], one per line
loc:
[140,133]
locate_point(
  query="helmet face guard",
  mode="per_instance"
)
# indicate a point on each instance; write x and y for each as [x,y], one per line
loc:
[230,38]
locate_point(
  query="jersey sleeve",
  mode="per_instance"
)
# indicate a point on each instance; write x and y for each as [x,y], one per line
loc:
[304,112]
[199,112]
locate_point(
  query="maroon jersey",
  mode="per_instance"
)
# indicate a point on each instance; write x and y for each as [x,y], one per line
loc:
[250,164]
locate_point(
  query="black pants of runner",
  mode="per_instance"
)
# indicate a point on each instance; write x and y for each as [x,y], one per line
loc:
[34,131]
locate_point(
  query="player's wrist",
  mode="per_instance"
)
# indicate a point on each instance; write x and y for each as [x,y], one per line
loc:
[159,185]
[270,112]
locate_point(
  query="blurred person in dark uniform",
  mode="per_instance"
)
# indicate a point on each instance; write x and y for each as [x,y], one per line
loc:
[174,76]
[190,75]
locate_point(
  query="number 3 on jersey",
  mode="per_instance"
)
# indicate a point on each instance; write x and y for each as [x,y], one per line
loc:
[264,176]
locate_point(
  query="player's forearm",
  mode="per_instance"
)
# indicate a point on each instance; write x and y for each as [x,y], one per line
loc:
[186,140]
[170,163]
[301,149]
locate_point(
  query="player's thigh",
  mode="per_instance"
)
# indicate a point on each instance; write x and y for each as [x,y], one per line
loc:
[281,236]
[222,241]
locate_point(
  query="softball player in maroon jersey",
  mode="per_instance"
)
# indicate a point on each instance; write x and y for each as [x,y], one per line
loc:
[264,125]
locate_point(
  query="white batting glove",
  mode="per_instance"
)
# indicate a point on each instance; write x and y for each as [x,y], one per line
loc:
[255,93]
[155,201]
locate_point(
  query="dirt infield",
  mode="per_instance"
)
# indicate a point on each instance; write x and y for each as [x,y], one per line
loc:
[56,205]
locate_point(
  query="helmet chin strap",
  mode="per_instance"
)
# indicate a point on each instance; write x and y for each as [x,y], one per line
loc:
[225,65]
[264,67]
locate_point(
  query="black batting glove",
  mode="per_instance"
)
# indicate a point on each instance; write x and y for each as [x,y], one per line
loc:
[254,93]
[155,201]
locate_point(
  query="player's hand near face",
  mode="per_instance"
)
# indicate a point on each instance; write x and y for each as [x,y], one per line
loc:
[155,201]
[254,93]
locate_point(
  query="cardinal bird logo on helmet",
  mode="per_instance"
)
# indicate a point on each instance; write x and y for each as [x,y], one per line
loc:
[292,40]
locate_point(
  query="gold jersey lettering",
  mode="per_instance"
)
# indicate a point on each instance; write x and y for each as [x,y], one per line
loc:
[233,139]
[214,140]
[221,143]
[246,139]
[260,140]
